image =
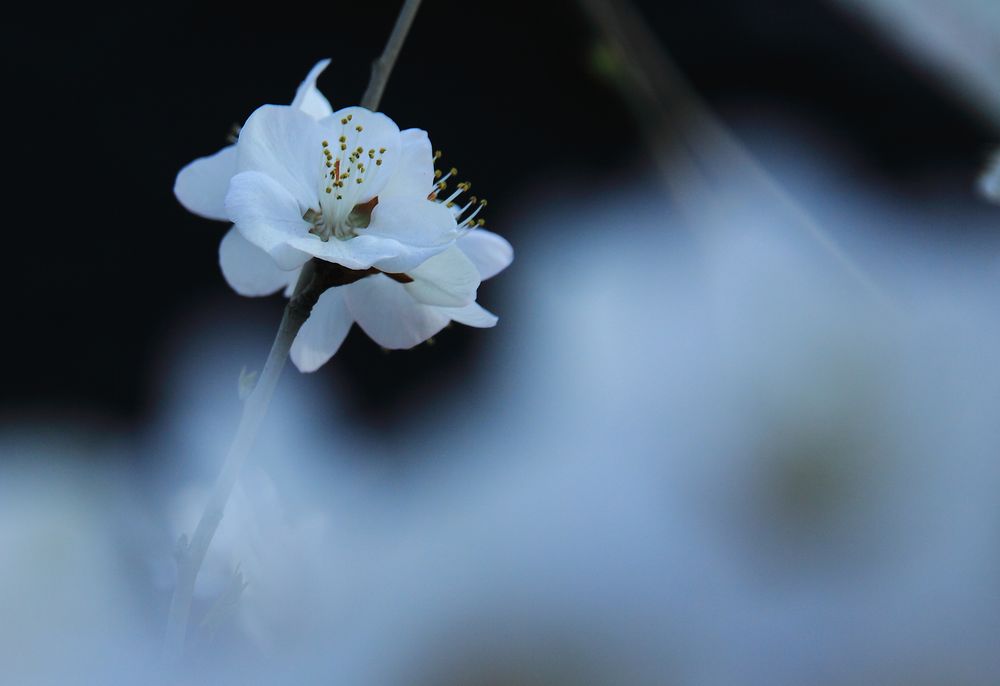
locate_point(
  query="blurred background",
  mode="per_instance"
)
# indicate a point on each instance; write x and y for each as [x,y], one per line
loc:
[739,422]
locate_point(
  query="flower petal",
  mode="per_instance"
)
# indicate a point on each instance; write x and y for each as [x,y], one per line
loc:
[389,315]
[378,138]
[267,215]
[248,269]
[471,315]
[320,337]
[490,252]
[448,279]
[201,185]
[308,98]
[413,222]
[414,173]
[415,230]
[356,253]
[285,144]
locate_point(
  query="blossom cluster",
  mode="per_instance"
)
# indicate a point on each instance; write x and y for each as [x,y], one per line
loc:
[348,187]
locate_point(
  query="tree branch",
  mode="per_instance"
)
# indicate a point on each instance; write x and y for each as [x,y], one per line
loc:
[382,67]
[316,277]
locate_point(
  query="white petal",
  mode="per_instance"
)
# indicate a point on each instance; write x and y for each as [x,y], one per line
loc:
[489,252]
[268,216]
[285,144]
[377,133]
[250,270]
[417,230]
[320,337]
[379,246]
[388,314]
[378,130]
[201,186]
[351,254]
[448,279]
[414,174]
[308,98]
[471,315]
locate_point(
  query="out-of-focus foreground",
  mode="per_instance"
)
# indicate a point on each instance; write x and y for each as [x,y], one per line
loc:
[698,455]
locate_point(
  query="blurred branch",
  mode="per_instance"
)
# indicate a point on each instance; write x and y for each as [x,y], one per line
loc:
[693,149]
[317,276]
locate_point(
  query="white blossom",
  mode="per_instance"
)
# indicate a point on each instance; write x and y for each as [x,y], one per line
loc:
[347,187]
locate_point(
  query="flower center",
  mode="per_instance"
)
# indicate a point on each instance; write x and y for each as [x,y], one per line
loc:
[348,185]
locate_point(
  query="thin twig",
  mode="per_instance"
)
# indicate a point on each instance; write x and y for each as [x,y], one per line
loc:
[382,67]
[692,147]
[317,276]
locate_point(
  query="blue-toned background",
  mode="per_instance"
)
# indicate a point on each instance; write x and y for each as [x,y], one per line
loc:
[739,422]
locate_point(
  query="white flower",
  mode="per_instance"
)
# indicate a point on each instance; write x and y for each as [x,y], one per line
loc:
[347,187]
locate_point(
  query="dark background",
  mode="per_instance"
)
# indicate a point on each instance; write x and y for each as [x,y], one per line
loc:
[104,269]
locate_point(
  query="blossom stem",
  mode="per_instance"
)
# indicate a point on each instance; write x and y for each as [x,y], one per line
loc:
[191,555]
[317,276]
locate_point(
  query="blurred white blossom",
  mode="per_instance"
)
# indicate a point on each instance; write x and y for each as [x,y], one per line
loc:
[260,551]
[989,180]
